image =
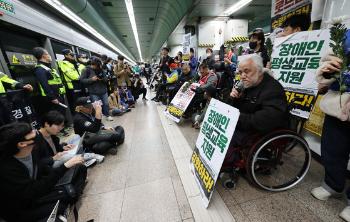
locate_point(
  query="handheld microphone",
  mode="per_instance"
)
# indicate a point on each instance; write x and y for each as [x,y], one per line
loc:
[239,86]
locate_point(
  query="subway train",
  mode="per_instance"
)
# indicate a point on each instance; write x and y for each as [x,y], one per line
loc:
[186,110]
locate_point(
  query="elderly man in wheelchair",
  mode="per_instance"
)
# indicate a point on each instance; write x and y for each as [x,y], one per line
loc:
[274,157]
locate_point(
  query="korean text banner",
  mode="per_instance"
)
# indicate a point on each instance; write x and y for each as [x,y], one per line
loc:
[211,146]
[17,105]
[295,59]
[282,6]
[180,102]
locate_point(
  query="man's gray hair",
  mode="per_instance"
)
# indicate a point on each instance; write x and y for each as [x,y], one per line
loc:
[257,60]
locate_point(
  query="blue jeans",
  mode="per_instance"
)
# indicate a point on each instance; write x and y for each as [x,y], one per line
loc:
[104,99]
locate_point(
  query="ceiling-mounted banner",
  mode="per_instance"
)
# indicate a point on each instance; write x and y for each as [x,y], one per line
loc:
[186,47]
[283,9]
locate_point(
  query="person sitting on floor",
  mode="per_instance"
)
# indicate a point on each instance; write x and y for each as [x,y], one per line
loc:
[126,97]
[27,188]
[51,152]
[115,106]
[99,139]
[139,88]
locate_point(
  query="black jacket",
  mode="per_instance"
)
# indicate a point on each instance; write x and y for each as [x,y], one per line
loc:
[98,87]
[163,63]
[43,75]
[210,61]
[85,123]
[44,150]
[18,191]
[262,108]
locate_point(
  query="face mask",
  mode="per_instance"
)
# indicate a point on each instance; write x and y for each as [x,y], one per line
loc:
[253,45]
[208,54]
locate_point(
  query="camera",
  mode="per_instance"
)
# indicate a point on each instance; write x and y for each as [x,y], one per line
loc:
[100,74]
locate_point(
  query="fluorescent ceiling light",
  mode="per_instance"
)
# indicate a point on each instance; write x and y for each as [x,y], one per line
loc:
[130,9]
[237,6]
[72,16]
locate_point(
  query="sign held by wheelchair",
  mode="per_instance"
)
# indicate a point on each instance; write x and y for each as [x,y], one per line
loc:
[211,147]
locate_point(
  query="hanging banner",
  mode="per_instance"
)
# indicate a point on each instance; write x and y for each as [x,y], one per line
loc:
[180,102]
[280,7]
[295,59]
[212,143]
[315,122]
[186,47]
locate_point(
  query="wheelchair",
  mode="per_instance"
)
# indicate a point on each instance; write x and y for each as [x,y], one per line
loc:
[277,161]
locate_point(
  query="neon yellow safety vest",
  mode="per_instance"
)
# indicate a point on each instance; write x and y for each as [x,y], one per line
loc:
[81,67]
[55,82]
[4,78]
[69,72]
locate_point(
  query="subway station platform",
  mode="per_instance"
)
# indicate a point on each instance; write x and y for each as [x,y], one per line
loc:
[150,180]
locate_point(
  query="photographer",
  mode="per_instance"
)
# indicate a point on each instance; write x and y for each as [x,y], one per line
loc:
[123,73]
[95,80]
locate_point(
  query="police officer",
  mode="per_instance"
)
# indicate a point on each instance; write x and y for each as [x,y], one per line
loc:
[82,60]
[4,111]
[88,119]
[70,72]
[51,87]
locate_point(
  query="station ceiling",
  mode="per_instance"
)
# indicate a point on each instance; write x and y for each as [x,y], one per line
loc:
[157,19]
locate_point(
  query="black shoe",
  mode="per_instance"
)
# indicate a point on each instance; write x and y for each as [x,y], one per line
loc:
[144,98]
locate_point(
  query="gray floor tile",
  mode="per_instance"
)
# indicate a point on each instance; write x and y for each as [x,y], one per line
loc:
[326,210]
[184,206]
[280,207]
[108,176]
[104,207]
[153,201]
[150,152]
[144,171]
[244,191]
[238,213]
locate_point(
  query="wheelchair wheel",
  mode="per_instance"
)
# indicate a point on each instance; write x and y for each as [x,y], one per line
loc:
[271,167]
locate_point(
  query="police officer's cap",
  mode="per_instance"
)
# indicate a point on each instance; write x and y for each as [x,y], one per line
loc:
[82,55]
[66,51]
[83,101]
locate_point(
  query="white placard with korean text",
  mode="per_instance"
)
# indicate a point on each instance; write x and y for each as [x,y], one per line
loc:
[295,59]
[180,102]
[212,143]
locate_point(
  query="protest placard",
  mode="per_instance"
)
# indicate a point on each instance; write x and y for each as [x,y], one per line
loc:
[283,9]
[295,59]
[180,102]
[211,146]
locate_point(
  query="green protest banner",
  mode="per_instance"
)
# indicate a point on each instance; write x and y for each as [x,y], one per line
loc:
[211,146]
[295,59]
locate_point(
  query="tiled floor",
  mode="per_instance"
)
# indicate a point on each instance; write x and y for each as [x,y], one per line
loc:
[141,182]
[249,204]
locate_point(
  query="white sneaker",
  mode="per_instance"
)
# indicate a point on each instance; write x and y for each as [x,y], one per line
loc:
[320,193]
[99,158]
[345,214]
[88,156]
[109,118]
[90,162]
